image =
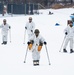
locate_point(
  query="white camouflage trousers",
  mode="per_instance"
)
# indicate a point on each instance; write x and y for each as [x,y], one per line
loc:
[67,41]
[4,37]
[35,53]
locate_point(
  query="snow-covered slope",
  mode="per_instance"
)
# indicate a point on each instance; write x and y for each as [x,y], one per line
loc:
[12,55]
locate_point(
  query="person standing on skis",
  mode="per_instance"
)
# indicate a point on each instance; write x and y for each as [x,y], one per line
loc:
[5,27]
[69,32]
[35,44]
[30,26]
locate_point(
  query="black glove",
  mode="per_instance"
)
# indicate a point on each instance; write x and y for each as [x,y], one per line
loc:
[25,27]
[32,41]
[31,30]
[66,33]
[45,43]
[9,27]
[40,44]
[28,43]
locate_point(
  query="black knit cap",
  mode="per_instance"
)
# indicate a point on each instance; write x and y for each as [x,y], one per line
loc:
[36,31]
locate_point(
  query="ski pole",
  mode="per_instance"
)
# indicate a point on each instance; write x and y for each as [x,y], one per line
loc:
[26,55]
[47,55]
[24,36]
[10,34]
[62,43]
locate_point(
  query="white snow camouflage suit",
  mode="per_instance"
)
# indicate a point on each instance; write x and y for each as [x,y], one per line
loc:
[35,52]
[5,29]
[69,36]
[30,27]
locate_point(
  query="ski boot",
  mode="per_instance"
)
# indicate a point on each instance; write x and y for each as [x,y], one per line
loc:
[37,62]
[5,42]
[71,51]
[34,62]
[64,50]
[2,43]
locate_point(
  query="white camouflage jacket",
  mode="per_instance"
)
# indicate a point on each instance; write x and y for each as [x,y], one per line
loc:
[37,39]
[5,29]
[70,31]
[30,26]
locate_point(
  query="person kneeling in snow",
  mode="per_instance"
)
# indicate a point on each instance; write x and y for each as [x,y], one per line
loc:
[69,32]
[35,44]
[5,27]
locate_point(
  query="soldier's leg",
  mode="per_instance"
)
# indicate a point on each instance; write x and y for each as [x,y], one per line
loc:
[5,39]
[36,57]
[2,39]
[65,45]
[71,45]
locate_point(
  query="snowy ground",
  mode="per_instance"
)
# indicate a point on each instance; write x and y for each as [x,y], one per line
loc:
[12,55]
